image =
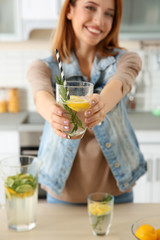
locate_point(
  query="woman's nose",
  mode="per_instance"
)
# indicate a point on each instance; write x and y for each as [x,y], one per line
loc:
[98,18]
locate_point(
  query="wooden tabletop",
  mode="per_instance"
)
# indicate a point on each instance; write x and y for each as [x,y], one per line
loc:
[66,222]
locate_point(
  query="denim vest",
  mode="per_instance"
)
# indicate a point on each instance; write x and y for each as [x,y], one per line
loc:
[115,134]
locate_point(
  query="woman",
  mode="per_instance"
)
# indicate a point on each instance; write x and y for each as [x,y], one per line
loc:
[107,158]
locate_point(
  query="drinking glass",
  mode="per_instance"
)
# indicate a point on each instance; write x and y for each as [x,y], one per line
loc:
[100,210]
[19,175]
[74,97]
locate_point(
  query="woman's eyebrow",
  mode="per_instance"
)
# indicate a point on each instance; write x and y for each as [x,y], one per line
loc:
[93,3]
[110,9]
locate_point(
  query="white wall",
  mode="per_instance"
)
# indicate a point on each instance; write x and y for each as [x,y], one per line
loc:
[15,58]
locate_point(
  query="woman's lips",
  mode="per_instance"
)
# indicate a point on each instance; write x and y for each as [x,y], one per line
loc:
[94,30]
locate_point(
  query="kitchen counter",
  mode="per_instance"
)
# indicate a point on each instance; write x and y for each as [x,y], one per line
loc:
[32,121]
[21,121]
[67,222]
[144,120]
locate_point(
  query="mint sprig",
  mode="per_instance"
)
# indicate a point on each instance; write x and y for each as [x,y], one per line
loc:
[73,115]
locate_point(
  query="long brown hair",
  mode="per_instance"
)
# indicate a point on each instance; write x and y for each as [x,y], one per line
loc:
[64,38]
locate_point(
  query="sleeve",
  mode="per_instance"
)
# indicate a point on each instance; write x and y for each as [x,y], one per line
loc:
[39,77]
[128,68]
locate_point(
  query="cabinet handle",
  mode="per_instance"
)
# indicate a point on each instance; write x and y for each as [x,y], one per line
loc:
[157,169]
[150,169]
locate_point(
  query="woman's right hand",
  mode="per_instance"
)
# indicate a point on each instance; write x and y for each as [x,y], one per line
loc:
[52,112]
[59,121]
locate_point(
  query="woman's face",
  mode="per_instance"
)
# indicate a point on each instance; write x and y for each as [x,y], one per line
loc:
[91,20]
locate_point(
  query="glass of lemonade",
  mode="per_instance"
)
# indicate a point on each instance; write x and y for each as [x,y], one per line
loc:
[100,210]
[74,97]
[20,174]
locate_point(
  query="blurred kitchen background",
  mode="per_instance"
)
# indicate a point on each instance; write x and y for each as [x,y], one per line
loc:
[26,27]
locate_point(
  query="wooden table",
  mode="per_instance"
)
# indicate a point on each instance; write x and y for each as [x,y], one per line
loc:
[65,222]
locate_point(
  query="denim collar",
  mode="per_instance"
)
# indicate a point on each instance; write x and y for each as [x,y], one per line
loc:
[73,70]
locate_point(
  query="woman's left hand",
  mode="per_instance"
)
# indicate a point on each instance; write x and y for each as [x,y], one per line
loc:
[96,112]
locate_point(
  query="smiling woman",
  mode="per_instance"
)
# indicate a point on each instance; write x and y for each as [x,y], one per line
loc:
[112,9]
[93,22]
[107,158]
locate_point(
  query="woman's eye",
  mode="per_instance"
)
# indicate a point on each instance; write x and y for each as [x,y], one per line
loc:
[90,8]
[109,14]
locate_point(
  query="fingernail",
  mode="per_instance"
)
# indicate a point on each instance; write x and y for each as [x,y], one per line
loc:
[60,112]
[66,127]
[66,122]
[88,113]
[64,135]
[88,119]
[92,103]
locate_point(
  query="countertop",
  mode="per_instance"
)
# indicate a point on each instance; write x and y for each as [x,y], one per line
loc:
[67,222]
[21,121]
[32,121]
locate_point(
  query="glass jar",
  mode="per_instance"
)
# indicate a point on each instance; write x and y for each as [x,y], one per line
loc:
[13,101]
[3,100]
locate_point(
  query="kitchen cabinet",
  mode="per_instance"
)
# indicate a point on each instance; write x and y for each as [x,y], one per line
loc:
[147,187]
[141,20]
[9,143]
[40,9]
[39,14]
[10,25]
[20,17]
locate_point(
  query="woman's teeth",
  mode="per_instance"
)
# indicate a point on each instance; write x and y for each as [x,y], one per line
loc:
[93,30]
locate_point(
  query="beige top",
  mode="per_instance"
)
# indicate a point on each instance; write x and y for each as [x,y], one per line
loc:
[90,171]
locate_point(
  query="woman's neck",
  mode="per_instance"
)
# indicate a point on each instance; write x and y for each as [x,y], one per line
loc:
[85,57]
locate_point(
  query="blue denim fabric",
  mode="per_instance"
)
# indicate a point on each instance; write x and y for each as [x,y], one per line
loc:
[115,135]
[123,198]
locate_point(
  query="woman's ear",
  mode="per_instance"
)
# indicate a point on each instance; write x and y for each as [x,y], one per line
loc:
[69,12]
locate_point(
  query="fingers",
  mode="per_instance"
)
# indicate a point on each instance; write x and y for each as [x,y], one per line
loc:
[59,121]
[57,110]
[61,134]
[95,114]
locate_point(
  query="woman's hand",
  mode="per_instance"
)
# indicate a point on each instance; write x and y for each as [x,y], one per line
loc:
[53,113]
[59,121]
[96,113]
[101,104]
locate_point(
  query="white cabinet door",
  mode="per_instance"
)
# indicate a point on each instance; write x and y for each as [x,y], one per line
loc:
[9,143]
[147,188]
[10,22]
[40,9]
[39,14]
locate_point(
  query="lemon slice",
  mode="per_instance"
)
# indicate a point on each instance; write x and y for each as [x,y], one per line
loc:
[78,103]
[98,208]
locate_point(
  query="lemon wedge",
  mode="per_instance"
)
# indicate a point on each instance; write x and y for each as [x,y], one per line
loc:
[78,103]
[98,208]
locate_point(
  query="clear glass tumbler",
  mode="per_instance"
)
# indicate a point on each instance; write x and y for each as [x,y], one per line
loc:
[74,97]
[19,175]
[100,210]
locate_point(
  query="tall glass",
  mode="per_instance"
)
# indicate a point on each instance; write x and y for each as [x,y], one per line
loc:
[74,97]
[19,174]
[100,211]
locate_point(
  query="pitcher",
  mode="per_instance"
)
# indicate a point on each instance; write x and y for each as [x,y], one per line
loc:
[20,178]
